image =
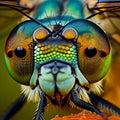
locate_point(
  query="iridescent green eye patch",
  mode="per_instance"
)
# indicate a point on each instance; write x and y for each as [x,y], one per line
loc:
[44,53]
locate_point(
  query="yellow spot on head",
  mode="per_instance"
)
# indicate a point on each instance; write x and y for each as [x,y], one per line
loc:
[70,34]
[40,34]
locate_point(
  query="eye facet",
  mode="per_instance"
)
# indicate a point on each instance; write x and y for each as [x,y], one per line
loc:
[20,52]
[70,34]
[94,55]
[94,49]
[40,34]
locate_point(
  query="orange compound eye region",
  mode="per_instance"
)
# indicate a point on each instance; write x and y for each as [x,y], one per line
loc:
[40,34]
[18,55]
[70,34]
[94,55]
[93,48]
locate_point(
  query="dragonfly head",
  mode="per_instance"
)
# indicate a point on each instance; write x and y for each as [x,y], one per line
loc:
[78,52]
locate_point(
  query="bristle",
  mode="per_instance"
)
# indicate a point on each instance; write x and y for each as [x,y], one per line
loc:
[97,87]
[82,93]
[32,95]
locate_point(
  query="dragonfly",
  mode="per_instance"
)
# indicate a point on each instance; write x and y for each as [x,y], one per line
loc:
[60,53]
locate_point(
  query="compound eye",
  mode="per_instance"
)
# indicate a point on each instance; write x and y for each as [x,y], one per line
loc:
[94,55]
[70,34]
[93,48]
[40,34]
[19,54]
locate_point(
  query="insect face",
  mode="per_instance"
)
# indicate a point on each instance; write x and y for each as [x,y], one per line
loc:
[79,52]
[54,57]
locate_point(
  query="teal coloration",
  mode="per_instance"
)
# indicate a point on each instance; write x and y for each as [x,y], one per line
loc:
[75,9]
[48,9]
[50,13]
[87,26]
[60,8]
[47,81]
[28,27]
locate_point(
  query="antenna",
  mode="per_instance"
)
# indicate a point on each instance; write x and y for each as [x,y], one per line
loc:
[114,9]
